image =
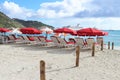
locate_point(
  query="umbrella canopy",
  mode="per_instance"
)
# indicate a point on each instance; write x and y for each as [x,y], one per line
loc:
[91,32]
[47,30]
[65,30]
[30,30]
[4,30]
[16,31]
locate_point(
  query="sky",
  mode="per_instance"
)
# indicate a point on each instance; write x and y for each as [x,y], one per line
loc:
[102,14]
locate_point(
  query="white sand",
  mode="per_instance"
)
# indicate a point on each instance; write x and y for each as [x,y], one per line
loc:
[21,62]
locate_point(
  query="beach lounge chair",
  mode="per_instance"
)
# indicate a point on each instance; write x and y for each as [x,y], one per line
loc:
[56,42]
[2,39]
[11,38]
[64,43]
[20,39]
[80,42]
[25,39]
[89,42]
[44,41]
[99,40]
[37,39]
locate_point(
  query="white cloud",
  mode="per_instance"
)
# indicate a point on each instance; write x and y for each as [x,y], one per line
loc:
[100,23]
[61,13]
[46,13]
[15,11]
[58,9]
[12,6]
[65,8]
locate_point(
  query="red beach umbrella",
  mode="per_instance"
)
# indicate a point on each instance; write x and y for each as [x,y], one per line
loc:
[105,33]
[4,30]
[91,32]
[65,30]
[47,30]
[30,30]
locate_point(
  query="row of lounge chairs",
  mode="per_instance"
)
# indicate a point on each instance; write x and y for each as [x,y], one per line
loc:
[56,41]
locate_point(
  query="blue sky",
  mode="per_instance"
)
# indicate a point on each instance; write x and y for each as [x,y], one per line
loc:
[102,14]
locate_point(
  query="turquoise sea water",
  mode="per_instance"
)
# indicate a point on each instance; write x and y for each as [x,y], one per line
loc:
[113,36]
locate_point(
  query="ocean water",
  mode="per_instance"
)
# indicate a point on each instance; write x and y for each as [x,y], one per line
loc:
[113,36]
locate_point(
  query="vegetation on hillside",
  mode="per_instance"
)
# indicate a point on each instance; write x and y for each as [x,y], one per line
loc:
[35,24]
[7,22]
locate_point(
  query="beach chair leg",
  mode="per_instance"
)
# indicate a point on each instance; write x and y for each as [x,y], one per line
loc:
[66,46]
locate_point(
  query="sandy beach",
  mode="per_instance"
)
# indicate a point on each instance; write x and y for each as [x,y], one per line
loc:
[21,62]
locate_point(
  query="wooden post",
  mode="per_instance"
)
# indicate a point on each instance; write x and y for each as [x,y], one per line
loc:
[77,55]
[112,45]
[42,70]
[93,49]
[102,45]
[108,45]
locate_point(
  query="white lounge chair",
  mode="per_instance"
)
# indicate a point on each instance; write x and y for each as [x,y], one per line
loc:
[64,43]
[10,38]
[3,39]
[80,42]
[89,42]
[99,40]
[37,40]
[24,39]
[55,40]
[44,41]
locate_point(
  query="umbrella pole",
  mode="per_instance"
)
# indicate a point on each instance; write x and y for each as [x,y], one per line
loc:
[4,37]
[46,35]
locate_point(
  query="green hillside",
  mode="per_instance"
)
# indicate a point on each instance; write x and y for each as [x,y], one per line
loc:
[35,24]
[5,21]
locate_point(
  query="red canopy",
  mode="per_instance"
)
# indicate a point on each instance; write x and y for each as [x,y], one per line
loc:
[30,30]
[65,30]
[91,32]
[4,30]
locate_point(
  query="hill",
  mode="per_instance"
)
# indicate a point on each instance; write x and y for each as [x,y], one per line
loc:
[31,23]
[7,22]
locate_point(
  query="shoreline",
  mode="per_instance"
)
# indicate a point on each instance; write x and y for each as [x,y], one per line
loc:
[117,47]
